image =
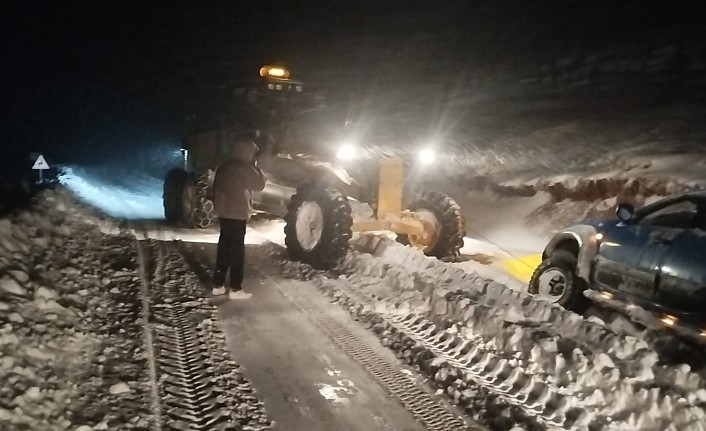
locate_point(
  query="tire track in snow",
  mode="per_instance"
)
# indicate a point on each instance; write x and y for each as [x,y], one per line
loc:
[424,407]
[197,386]
[503,376]
[147,334]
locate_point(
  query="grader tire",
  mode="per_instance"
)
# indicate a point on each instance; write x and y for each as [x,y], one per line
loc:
[452,226]
[197,206]
[318,226]
[172,193]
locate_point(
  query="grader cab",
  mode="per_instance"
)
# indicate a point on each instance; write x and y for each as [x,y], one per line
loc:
[315,201]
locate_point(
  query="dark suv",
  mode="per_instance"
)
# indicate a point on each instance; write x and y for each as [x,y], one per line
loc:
[650,263]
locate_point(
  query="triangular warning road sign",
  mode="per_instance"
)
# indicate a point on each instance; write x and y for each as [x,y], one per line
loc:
[40,163]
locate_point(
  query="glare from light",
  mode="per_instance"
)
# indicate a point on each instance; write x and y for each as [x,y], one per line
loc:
[185,154]
[427,156]
[141,199]
[347,152]
[599,236]
[606,295]
[669,320]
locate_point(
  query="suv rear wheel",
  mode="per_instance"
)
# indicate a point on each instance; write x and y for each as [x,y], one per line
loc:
[556,278]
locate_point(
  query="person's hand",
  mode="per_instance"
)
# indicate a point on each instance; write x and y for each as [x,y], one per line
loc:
[264,161]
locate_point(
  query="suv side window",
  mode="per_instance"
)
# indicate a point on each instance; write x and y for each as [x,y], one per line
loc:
[699,221]
[679,215]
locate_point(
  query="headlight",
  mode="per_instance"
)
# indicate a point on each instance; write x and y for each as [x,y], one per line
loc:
[347,152]
[426,156]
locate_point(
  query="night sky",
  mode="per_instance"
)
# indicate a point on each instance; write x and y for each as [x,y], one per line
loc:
[88,75]
[86,81]
[118,74]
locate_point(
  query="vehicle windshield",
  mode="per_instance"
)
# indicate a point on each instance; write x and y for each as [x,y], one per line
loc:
[679,212]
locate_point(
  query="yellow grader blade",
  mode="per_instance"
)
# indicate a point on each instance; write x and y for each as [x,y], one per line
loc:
[420,232]
[391,181]
[395,223]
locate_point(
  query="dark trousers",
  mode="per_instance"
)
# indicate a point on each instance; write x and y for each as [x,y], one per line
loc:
[231,253]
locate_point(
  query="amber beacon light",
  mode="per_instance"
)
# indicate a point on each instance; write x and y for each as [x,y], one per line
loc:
[274,72]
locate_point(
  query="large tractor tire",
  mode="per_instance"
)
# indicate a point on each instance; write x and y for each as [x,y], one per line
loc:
[174,184]
[318,226]
[556,278]
[441,210]
[197,206]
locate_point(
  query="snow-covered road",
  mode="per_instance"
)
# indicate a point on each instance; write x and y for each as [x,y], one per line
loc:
[130,196]
[579,372]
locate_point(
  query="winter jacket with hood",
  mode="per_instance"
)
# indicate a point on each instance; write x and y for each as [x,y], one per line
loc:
[235,180]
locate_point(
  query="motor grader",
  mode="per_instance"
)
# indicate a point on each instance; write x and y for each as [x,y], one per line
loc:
[309,184]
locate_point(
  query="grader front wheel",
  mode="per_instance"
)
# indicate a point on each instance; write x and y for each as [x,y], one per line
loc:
[318,226]
[445,227]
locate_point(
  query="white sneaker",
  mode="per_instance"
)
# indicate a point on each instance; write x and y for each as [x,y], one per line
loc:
[218,291]
[239,295]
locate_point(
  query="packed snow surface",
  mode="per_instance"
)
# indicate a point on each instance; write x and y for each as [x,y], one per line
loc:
[132,196]
[260,229]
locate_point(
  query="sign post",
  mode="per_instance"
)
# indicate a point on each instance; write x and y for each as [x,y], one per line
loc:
[40,164]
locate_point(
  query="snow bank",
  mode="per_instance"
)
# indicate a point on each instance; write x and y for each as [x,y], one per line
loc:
[70,350]
[73,353]
[618,378]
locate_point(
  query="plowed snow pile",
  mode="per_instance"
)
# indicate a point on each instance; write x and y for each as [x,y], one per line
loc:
[492,341]
[70,348]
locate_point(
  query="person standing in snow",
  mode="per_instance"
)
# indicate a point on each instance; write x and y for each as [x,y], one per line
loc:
[235,180]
